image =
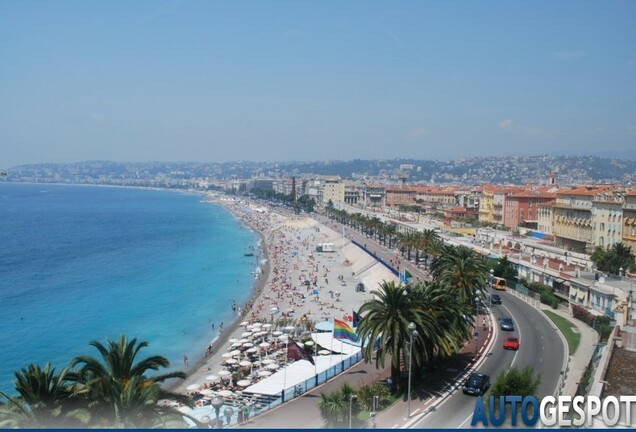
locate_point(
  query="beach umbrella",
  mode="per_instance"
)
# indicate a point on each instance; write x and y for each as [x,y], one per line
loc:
[277,333]
[237,344]
[264,373]
[224,372]
[235,353]
[246,334]
[226,393]
[252,350]
[226,355]
[193,387]
[245,363]
[289,328]
[244,323]
[248,344]
[244,383]
[264,345]
[268,361]
[272,366]
[212,378]
[283,337]
[267,326]
[231,361]
[242,341]
[206,392]
[233,340]
[257,324]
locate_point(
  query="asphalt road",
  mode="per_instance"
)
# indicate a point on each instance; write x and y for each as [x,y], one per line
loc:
[541,348]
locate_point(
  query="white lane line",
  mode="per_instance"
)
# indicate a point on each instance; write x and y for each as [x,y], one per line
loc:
[461,426]
[514,359]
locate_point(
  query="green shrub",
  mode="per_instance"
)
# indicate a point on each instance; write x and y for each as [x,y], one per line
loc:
[366,393]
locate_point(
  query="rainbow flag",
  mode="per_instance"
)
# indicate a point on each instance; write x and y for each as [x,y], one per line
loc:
[341,330]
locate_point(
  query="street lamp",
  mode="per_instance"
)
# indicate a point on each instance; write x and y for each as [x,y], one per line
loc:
[228,414]
[352,397]
[217,403]
[492,275]
[476,324]
[413,333]
[205,420]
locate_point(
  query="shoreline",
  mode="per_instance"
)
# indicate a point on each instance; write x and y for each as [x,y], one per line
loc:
[200,365]
[296,284]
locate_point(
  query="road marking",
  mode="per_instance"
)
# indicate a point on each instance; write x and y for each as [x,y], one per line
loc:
[413,413]
[461,426]
[514,359]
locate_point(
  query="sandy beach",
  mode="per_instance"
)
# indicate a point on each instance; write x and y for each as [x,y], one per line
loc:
[297,285]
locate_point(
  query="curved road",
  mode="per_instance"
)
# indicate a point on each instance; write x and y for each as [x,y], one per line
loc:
[541,348]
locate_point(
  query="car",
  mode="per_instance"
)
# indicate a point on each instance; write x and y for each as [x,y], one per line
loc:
[495,299]
[476,384]
[507,324]
[511,343]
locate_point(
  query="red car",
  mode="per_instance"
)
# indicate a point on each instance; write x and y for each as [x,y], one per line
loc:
[511,343]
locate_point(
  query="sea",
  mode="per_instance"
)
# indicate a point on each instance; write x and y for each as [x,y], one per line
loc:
[84,263]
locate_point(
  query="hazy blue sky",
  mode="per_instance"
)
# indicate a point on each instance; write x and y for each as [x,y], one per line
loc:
[300,80]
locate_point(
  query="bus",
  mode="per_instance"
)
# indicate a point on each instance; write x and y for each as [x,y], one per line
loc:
[499,283]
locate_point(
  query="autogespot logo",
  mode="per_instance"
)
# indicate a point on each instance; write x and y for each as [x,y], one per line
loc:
[562,411]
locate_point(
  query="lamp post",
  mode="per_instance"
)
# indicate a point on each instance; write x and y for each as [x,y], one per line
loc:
[413,333]
[205,420]
[476,324]
[228,414]
[492,275]
[217,403]
[352,397]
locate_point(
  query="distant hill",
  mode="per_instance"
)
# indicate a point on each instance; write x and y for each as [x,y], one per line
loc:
[469,171]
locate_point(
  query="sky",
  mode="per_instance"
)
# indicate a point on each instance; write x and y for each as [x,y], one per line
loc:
[216,81]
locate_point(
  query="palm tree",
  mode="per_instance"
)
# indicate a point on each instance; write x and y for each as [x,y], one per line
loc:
[428,241]
[385,325]
[119,387]
[334,407]
[46,399]
[462,270]
[439,305]
[391,232]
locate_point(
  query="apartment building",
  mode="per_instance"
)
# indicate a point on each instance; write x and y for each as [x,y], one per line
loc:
[629,220]
[607,220]
[372,196]
[442,197]
[396,196]
[544,218]
[522,208]
[486,205]
[333,189]
[574,216]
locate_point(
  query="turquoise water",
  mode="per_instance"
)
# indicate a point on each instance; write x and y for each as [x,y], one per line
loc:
[86,263]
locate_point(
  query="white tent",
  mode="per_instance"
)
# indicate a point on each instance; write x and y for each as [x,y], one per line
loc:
[297,373]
